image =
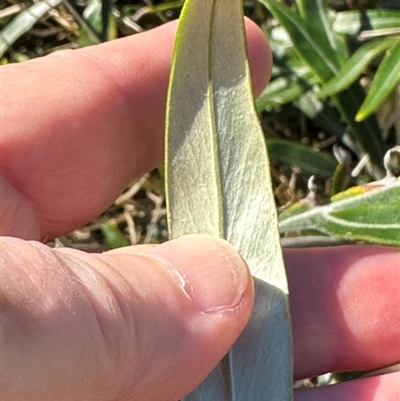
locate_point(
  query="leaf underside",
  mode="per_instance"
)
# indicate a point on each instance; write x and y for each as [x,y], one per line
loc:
[218,183]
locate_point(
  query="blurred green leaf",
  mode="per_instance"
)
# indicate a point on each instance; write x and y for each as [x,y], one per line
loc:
[355,66]
[310,161]
[93,16]
[19,57]
[291,76]
[295,209]
[23,22]
[294,81]
[385,81]
[324,64]
[321,28]
[218,182]
[353,22]
[340,178]
[322,113]
[113,236]
[366,137]
[373,216]
[284,90]
[130,9]
[158,8]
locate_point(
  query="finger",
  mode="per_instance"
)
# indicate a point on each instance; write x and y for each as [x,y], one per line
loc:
[96,120]
[144,327]
[378,388]
[345,308]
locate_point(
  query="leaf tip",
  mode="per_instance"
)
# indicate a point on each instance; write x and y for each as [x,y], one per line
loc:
[361,116]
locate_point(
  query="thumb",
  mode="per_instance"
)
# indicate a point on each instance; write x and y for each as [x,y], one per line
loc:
[120,325]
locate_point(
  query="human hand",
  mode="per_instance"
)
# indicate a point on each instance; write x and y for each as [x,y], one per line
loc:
[76,128]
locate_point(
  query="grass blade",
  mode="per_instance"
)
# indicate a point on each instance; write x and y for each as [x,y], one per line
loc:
[214,151]
[306,44]
[321,29]
[385,81]
[310,161]
[355,67]
[284,90]
[353,22]
[99,19]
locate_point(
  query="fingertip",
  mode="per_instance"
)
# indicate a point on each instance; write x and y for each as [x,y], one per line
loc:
[216,277]
[96,123]
[202,292]
[260,56]
[351,320]
[121,323]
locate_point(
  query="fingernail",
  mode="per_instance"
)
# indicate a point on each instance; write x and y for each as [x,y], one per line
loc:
[212,274]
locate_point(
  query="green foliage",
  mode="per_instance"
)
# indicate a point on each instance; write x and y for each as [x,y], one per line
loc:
[354,22]
[386,79]
[320,57]
[311,59]
[316,54]
[355,66]
[286,89]
[377,22]
[310,161]
[113,236]
[218,182]
[95,27]
[372,216]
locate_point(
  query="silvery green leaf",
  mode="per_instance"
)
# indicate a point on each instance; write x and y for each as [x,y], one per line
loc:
[218,182]
[363,213]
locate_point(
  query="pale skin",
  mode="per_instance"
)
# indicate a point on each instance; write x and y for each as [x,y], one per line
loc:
[76,129]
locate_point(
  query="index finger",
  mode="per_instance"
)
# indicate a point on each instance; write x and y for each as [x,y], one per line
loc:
[78,126]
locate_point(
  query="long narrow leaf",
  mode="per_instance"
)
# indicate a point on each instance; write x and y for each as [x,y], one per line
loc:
[306,45]
[385,81]
[366,135]
[321,28]
[286,89]
[323,114]
[353,22]
[309,160]
[355,66]
[214,151]
[373,216]
[98,23]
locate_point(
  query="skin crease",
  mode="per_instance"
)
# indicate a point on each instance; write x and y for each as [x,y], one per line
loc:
[149,323]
